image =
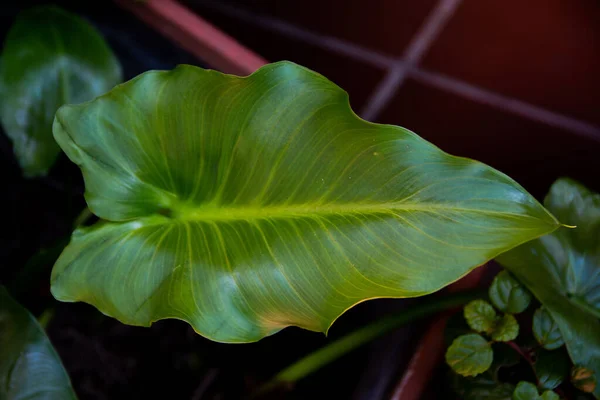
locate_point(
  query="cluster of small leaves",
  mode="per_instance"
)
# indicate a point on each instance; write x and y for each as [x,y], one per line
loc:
[561,271]
[471,354]
[477,351]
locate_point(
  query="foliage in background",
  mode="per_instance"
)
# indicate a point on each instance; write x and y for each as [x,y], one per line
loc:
[29,365]
[50,57]
[562,270]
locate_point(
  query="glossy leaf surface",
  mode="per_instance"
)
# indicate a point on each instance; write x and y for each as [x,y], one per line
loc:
[470,355]
[563,270]
[508,295]
[546,330]
[480,315]
[29,366]
[506,329]
[50,58]
[245,205]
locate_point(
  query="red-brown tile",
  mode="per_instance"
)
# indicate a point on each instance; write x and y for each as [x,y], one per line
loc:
[532,153]
[357,78]
[383,25]
[546,52]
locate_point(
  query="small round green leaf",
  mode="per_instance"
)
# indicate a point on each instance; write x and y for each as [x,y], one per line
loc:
[583,379]
[29,366]
[480,315]
[508,295]
[546,330]
[549,395]
[470,355]
[525,391]
[506,329]
[245,205]
[50,57]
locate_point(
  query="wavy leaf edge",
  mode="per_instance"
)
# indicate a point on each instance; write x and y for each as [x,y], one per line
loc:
[551,222]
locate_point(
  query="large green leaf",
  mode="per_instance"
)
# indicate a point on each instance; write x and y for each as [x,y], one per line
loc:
[50,58]
[29,366]
[245,205]
[563,271]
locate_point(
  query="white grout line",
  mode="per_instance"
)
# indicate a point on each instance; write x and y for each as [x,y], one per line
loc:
[421,42]
[505,103]
[399,70]
[301,34]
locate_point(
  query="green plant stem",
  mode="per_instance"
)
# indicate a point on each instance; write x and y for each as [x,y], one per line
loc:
[45,318]
[318,359]
[83,216]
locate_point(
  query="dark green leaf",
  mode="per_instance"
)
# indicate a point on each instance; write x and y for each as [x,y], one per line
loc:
[245,205]
[583,379]
[481,387]
[506,329]
[497,391]
[561,270]
[546,330]
[29,366]
[486,390]
[480,315]
[50,58]
[552,368]
[508,295]
[525,391]
[469,355]
[572,256]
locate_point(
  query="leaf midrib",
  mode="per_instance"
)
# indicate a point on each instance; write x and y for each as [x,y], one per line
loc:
[217,213]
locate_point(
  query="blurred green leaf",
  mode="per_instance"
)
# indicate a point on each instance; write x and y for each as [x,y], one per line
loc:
[546,330]
[508,295]
[470,355]
[561,270]
[50,58]
[552,367]
[506,329]
[29,366]
[245,205]
[486,390]
[525,391]
[480,315]
[549,395]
